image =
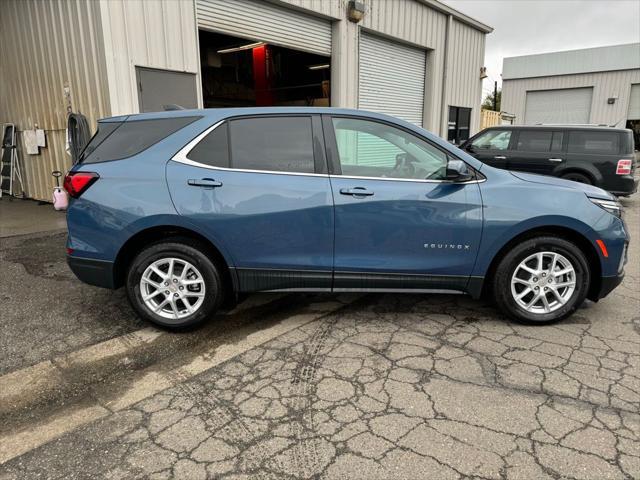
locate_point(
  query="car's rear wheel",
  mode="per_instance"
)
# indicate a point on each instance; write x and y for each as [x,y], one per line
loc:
[174,284]
[541,280]
[578,177]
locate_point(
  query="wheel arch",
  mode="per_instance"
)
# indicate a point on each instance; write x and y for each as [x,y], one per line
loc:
[577,238]
[154,234]
[593,174]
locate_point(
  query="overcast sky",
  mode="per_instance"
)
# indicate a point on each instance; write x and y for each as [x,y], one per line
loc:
[523,27]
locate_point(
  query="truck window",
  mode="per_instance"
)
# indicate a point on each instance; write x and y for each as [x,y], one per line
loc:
[584,141]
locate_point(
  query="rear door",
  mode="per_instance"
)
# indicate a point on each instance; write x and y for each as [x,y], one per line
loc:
[258,187]
[398,224]
[492,147]
[538,150]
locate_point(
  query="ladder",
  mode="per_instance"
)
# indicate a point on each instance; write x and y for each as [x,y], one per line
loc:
[9,166]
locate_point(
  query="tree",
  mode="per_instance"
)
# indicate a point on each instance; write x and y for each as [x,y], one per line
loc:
[488,101]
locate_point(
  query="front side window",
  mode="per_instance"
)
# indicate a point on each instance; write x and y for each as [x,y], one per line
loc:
[372,149]
[493,140]
[594,142]
[279,144]
[459,124]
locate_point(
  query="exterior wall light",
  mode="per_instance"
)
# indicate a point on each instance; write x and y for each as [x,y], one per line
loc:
[355,11]
[483,73]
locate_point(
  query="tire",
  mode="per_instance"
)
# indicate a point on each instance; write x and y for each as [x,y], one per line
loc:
[578,177]
[199,289]
[511,280]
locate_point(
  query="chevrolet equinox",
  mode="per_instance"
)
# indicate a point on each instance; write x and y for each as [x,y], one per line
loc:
[189,208]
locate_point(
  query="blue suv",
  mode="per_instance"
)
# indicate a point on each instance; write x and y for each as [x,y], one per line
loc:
[190,208]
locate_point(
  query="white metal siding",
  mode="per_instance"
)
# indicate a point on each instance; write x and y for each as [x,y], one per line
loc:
[45,46]
[604,84]
[263,21]
[572,105]
[634,103]
[392,78]
[588,60]
[146,33]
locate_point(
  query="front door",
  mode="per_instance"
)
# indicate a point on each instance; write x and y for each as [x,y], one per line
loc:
[492,147]
[258,188]
[398,225]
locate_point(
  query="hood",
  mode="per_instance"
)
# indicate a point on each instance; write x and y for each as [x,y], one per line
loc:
[589,190]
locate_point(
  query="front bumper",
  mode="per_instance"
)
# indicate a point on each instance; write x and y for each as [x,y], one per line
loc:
[607,285]
[94,272]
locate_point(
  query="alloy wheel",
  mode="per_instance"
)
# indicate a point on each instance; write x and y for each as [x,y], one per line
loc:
[543,282]
[172,288]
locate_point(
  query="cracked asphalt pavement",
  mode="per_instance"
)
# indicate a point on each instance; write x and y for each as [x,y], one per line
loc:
[385,386]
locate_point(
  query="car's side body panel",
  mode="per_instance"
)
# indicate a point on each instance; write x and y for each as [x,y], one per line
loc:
[278,231]
[506,217]
[277,228]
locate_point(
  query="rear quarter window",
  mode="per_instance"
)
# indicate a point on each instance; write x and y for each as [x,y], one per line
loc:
[130,138]
[606,143]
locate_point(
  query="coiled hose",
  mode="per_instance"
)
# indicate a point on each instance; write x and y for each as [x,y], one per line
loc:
[79,134]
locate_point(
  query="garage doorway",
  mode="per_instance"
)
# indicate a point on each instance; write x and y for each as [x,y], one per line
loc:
[237,72]
[564,106]
[633,115]
[392,78]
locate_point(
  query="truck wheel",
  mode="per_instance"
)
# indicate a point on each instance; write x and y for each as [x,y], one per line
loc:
[541,280]
[578,177]
[174,284]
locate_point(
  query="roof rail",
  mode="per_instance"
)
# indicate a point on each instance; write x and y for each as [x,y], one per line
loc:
[574,124]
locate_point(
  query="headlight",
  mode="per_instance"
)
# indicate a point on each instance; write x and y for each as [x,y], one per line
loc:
[610,206]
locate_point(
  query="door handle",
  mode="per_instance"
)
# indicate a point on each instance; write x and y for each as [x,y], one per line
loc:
[555,159]
[204,182]
[500,157]
[356,192]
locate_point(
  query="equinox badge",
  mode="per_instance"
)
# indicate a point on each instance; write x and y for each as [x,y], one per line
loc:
[446,246]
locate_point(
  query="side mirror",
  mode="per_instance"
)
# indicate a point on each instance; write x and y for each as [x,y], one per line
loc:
[457,171]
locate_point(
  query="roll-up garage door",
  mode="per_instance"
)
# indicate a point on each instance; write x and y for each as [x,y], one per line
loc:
[391,78]
[265,22]
[634,103]
[570,105]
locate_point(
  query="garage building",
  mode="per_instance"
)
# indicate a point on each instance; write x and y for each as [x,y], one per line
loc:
[590,86]
[419,60]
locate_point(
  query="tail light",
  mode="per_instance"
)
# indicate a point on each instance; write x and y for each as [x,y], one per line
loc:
[624,167]
[75,183]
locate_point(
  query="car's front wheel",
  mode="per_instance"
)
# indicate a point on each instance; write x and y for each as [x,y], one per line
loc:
[174,284]
[541,280]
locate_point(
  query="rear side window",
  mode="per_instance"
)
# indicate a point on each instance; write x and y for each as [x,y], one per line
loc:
[131,138]
[279,144]
[104,130]
[534,141]
[594,142]
[213,149]
[540,141]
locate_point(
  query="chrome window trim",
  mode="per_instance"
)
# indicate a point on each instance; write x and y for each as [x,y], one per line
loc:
[417,180]
[181,157]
